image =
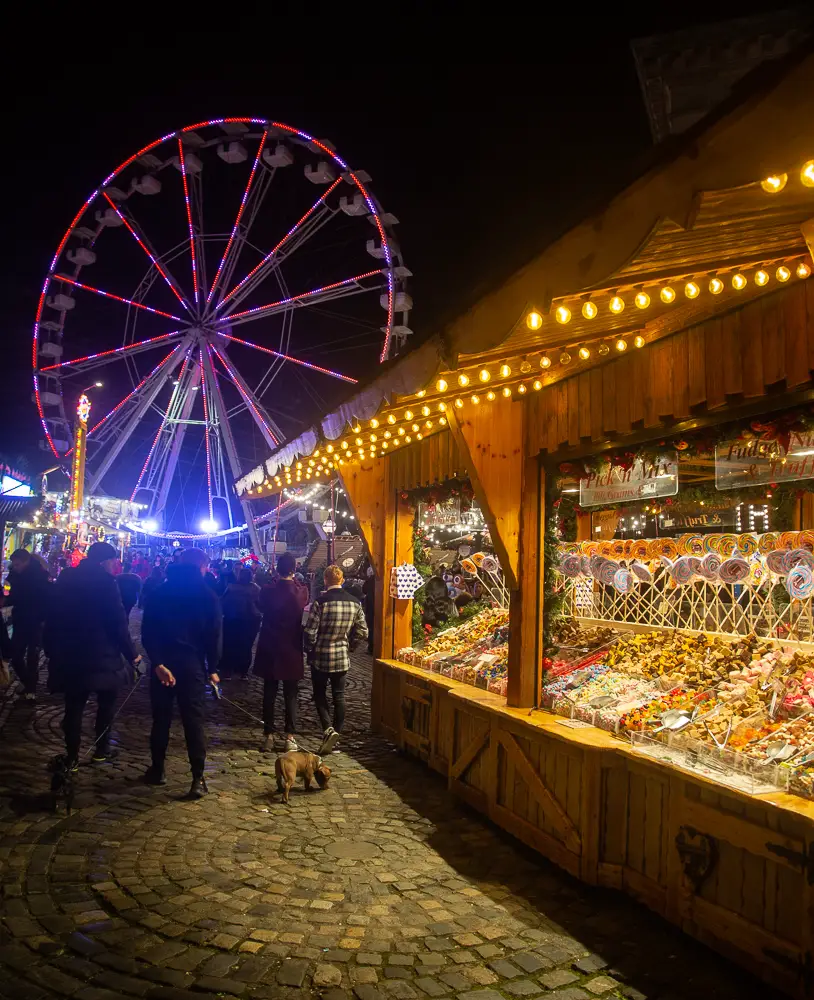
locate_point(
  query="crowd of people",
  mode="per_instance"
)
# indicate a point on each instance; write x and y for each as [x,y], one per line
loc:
[201,624]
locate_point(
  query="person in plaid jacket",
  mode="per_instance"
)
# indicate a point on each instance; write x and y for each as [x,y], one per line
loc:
[335,626]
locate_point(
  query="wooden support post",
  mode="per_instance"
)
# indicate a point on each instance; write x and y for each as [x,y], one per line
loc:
[495,441]
[386,524]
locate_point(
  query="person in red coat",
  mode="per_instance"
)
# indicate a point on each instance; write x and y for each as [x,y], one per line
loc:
[279,655]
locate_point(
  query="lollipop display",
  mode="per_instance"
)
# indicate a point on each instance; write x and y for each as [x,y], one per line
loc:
[800,582]
[585,564]
[801,557]
[694,545]
[788,539]
[806,540]
[669,548]
[639,548]
[711,543]
[642,572]
[622,580]
[490,565]
[733,570]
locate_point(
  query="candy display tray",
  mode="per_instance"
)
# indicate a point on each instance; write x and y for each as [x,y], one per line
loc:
[726,767]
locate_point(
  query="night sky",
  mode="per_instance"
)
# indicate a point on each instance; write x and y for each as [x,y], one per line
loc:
[483,162]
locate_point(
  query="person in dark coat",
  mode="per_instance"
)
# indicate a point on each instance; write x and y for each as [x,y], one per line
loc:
[130,588]
[241,620]
[153,582]
[279,657]
[182,631]
[28,597]
[88,646]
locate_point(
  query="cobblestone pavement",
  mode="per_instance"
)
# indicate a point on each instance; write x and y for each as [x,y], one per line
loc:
[383,886]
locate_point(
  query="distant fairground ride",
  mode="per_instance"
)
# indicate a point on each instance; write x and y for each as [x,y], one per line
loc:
[153,289]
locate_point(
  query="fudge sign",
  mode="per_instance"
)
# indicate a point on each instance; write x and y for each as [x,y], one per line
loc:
[741,463]
[643,480]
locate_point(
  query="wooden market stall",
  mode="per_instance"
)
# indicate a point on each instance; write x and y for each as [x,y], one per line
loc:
[684,305]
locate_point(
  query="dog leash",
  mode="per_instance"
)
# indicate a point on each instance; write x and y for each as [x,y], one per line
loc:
[217,691]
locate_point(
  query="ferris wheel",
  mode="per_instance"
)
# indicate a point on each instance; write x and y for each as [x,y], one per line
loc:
[208,284]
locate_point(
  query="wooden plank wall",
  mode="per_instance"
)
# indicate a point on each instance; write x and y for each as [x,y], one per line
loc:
[765,346]
[432,460]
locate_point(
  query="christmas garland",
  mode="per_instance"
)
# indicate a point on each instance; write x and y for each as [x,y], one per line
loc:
[438,493]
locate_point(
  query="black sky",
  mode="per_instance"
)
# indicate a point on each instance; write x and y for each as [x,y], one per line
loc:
[482,161]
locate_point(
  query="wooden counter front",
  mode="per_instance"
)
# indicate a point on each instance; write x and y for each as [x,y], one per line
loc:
[733,870]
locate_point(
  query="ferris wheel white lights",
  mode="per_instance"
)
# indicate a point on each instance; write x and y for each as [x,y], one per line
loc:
[150,525]
[203,274]
[209,524]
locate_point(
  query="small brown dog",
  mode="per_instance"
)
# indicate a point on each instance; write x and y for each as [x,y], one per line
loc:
[295,764]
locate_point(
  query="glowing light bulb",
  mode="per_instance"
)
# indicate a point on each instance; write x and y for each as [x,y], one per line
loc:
[534,321]
[475,399]
[414,427]
[807,174]
[358,441]
[537,385]
[667,294]
[545,361]
[507,391]
[692,290]
[584,353]
[803,270]
[589,310]
[442,422]
[521,389]
[774,183]
[356,428]
[490,396]
[562,314]
[387,434]
[391,419]
[484,375]
[716,286]
[638,341]
[408,414]
[419,437]
[421,393]
[374,437]
[374,422]
[425,411]
[442,407]
[441,385]
[641,300]
[401,432]
[565,358]
[603,350]
[783,273]
[525,367]
[428,424]
[505,371]
[408,439]
[738,282]
[459,403]
[761,278]
[463,380]
[616,304]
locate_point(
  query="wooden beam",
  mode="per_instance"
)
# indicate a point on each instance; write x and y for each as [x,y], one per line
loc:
[472,749]
[490,436]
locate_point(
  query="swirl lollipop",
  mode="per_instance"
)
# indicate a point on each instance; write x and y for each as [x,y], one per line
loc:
[590,548]
[570,565]
[618,548]
[606,549]
[478,557]
[800,557]
[642,572]
[695,545]
[768,542]
[628,548]
[596,564]
[669,548]
[788,540]
[666,563]
[585,565]
[606,573]
[654,548]
[694,563]
[776,561]
[622,580]
[711,543]
[490,565]
[800,582]
[806,540]
[727,545]
[469,567]
[733,570]
[682,571]
[747,545]
[640,548]
[681,543]
[458,580]
[710,565]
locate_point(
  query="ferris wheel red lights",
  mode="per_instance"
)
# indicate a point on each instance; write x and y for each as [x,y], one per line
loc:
[146,249]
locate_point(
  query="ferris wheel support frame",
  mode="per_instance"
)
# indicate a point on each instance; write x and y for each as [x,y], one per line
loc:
[216,402]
